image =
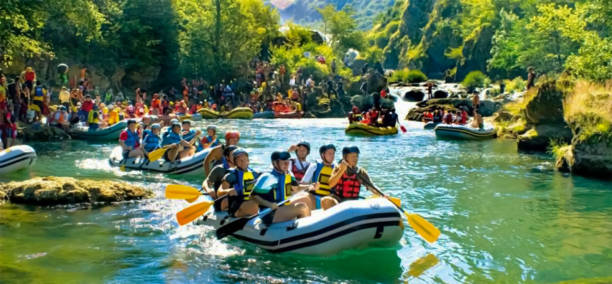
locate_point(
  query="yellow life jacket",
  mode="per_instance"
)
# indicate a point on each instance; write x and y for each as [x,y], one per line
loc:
[91,119]
[245,184]
[322,175]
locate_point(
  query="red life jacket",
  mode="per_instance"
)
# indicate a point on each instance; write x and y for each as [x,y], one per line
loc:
[297,173]
[348,186]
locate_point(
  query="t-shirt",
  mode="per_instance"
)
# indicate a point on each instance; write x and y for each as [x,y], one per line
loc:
[64,96]
[87,105]
[2,94]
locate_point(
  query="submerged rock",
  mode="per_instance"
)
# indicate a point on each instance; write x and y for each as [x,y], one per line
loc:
[39,132]
[67,190]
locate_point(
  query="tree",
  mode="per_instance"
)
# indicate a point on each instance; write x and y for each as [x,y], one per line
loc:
[342,28]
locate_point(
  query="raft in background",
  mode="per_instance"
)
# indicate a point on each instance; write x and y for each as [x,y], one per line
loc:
[186,166]
[430,125]
[207,113]
[16,158]
[362,129]
[100,135]
[238,113]
[193,117]
[358,224]
[264,114]
[293,114]
[463,132]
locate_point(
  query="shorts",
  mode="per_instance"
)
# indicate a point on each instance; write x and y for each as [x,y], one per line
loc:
[234,203]
[39,104]
[268,218]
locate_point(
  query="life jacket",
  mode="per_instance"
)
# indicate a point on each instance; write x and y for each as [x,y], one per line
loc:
[60,117]
[132,138]
[279,193]
[39,93]
[245,182]
[93,117]
[348,186]
[322,175]
[29,75]
[151,142]
[297,173]
[209,140]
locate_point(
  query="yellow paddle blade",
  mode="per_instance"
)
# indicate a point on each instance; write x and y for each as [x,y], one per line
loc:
[157,154]
[122,168]
[190,200]
[427,230]
[420,265]
[192,212]
[179,191]
[395,200]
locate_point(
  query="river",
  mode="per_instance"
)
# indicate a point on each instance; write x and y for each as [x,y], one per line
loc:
[505,217]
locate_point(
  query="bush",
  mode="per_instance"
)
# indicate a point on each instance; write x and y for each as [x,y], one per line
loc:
[408,76]
[515,85]
[475,79]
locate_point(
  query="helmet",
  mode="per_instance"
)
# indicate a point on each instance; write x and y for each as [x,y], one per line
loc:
[280,155]
[176,123]
[228,150]
[232,134]
[324,148]
[351,149]
[187,121]
[212,127]
[130,121]
[238,152]
[155,126]
[305,145]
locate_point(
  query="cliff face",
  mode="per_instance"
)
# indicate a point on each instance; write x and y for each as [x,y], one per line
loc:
[305,11]
[432,36]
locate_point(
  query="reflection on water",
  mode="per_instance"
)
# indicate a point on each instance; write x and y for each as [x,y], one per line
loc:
[504,217]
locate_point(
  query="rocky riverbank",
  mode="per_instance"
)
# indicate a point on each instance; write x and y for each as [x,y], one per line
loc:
[487,107]
[572,120]
[67,190]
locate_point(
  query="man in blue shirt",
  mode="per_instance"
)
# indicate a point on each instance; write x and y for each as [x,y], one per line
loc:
[178,146]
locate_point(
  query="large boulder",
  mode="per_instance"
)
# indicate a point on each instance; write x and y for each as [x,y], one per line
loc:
[545,105]
[592,157]
[68,190]
[539,137]
[40,132]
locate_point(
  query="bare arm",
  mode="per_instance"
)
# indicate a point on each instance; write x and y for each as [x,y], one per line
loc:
[337,173]
[214,155]
[263,202]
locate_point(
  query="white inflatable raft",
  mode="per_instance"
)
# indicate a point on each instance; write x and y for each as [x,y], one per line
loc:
[186,166]
[463,132]
[374,222]
[16,158]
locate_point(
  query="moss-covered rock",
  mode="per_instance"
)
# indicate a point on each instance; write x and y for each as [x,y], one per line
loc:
[39,132]
[539,137]
[67,190]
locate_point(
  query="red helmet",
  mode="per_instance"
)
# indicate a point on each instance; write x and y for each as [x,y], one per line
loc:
[232,134]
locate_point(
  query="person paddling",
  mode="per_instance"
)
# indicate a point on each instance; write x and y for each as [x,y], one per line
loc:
[238,184]
[211,139]
[129,140]
[319,174]
[347,178]
[283,185]
[213,181]
[216,154]
[299,165]
[152,140]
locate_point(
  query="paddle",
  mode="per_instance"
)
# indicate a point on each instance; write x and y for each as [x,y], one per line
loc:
[239,223]
[179,191]
[192,212]
[403,128]
[157,154]
[426,230]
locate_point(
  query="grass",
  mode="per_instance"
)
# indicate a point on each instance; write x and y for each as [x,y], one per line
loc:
[588,108]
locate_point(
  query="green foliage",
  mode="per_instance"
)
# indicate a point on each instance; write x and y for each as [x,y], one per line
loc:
[515,85]
[475,79]
[408,76]
[342,28]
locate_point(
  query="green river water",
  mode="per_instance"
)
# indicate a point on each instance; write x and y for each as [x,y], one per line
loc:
[505,217]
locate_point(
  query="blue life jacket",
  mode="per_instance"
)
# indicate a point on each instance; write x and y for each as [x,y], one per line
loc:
[189,135]
[151,142]
[132,138]
[245,182]
[171,138]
